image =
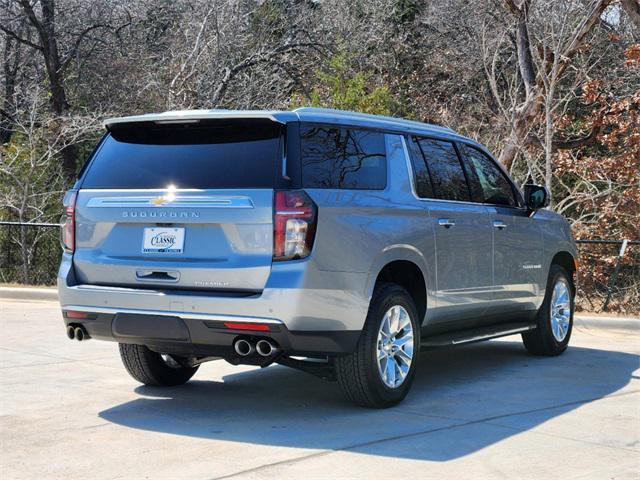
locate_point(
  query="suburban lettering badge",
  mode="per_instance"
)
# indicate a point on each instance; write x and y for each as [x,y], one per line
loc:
[160,214]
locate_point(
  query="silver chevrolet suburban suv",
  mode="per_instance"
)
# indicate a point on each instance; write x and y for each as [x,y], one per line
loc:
[337,243]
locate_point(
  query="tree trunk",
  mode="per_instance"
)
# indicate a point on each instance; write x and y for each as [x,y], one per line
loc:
[548,142]
[632,7]
[527,113]
[523,120]
[10,68]
[55,72]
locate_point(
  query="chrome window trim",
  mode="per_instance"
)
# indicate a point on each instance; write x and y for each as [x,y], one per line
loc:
[412,176]
[410,171]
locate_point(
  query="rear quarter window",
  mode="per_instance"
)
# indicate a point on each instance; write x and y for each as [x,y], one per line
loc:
[422,178]
[208,155]
[447,175]
[347,158]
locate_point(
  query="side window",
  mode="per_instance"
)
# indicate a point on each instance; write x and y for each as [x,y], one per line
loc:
[493,185]
[336,157]
[449,182]
[422,178]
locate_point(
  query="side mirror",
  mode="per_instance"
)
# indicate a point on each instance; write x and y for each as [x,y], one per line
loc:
[536,197]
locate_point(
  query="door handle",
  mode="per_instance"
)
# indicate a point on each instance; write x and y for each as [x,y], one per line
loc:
[446,222]
[500,225]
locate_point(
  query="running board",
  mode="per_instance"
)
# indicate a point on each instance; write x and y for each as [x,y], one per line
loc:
[476,334]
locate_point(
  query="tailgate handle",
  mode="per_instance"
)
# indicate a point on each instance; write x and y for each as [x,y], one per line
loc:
[157,276]
[447,222]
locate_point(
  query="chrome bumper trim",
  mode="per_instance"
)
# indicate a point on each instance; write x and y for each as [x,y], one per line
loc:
[164,313]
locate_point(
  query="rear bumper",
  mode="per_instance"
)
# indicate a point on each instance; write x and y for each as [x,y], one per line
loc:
[309,312]
[182,335]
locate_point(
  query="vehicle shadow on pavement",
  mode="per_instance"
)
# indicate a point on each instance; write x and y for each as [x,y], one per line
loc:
[463,400]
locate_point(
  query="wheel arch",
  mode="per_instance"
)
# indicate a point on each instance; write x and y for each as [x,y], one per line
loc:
[568,262]
[405,266]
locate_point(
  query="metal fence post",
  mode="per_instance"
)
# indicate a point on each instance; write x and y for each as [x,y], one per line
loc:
[614,276]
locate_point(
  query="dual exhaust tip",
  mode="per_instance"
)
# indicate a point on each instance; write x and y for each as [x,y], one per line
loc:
[264,348]
[79,333]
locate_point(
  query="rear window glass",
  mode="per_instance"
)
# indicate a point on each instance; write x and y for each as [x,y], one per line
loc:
[334,157]
[233,154]
[449,181]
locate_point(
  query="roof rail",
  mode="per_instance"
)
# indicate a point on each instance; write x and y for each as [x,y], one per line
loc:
[368,116]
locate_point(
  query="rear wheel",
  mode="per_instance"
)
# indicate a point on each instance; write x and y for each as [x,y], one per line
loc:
[555,317]
[380,372]
[152,368]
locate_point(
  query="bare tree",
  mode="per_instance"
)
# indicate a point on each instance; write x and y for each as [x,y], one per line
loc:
[30,178]
[11,63]
[42,16]
[568,43]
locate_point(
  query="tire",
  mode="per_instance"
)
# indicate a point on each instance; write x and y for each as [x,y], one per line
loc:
[150,368]
[359,375]
[542,340]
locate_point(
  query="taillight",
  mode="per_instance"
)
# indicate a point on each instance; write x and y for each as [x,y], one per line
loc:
[294,225]
[68,225]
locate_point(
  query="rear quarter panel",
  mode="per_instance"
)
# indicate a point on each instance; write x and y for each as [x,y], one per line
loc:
[363,230]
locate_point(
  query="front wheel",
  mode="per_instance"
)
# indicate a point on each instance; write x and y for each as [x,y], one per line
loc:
[555,317]
[154,369]
[380,372]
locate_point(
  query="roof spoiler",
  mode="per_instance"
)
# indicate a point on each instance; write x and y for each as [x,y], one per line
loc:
[193,116]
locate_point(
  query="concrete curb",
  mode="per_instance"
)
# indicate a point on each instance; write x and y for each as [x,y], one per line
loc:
[29,293]
[587,321]
[613,323]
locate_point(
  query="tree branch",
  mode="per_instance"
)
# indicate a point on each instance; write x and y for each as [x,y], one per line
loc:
[584,29]
[74,49]
[632,7]
[255,59]
[15,36]
[570,143]
[573,143]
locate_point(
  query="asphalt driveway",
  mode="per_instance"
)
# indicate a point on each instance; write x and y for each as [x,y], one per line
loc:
[70,411]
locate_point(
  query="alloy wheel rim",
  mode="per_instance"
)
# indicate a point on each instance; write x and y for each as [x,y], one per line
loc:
[395,346]
[560,310]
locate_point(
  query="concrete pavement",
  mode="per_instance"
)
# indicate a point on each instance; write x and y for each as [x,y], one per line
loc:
[69,410]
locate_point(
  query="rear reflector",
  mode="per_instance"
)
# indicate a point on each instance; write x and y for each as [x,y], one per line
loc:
[76,314]
[261,327]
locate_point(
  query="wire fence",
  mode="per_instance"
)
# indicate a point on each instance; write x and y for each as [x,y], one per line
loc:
[608,277]
[29,253]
